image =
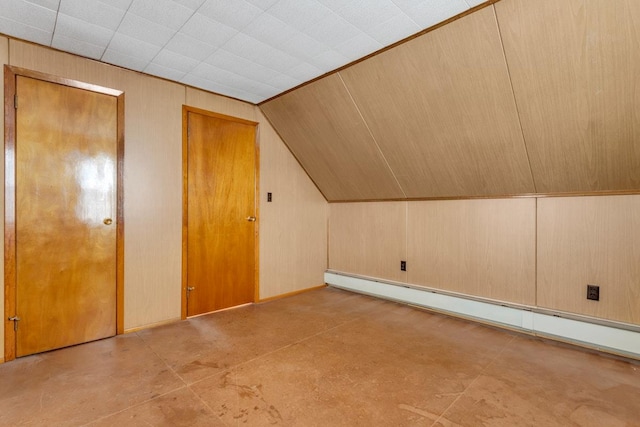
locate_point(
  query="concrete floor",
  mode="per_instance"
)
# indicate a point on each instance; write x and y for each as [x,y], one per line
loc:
[322,358]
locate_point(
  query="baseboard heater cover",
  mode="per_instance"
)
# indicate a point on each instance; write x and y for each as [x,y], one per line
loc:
[596,336]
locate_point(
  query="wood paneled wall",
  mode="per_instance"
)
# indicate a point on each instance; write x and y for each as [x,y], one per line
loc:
[537,252]
[518,97]
[369,239]
[590,240]
[293,227]
[476,247]
[4,59]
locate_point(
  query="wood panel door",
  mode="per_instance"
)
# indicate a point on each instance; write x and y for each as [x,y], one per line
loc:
[66,161]
[220,212]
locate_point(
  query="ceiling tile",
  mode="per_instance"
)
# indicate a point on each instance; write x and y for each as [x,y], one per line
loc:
[304,47]
[49,4]
[473,3]
[167,13]
[269,29]
[79,47]
[367,13]
[241,66]
[216,87]
[145,30]
[304,71]
[165,72]
[94,12]
[237,14]
[263,4]
[191,4]
[358,46]
[283,82]
[25,32]
[190,47]
[393,30]
[74,28]
[117,58]
[260,53]
[133,47]
[169,59]
[206,30]
[28,14]
[299,13]
[119,4]
[332,30]
[329,60]
[430,12]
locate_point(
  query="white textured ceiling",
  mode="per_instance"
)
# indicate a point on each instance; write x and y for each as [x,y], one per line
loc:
[246,49]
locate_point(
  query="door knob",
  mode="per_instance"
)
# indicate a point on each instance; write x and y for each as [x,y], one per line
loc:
[251,218]
[107,221]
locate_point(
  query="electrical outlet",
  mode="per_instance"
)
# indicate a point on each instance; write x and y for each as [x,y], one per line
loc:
[403,265]
[593,292]
[269,198]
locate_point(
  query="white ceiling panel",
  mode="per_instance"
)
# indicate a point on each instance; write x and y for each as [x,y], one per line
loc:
[29,14]
[140,28]
[83,31]
[427,13]
[190,47]
[167,13]
[49,4]
[208,31]
[24,31]
[168,59]
[164,72]
[94,12]
[300,14]
[76,46]
[249,49]
[237,14]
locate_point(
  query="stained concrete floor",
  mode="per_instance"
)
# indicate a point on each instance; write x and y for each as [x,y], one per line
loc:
[322,358]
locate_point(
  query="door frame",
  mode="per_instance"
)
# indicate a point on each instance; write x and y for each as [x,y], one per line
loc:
[185,201]
[10,76]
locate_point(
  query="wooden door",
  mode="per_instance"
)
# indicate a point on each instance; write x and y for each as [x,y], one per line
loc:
[66,181]
[220,200]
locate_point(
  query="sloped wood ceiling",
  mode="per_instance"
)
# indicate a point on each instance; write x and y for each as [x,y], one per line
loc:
[519,97]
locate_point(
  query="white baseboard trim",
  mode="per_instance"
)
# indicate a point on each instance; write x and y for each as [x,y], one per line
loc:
[600,337]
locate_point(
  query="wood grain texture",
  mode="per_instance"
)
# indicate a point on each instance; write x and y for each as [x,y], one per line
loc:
[153,172]
[66,170]
[575,66]
[4,59]
[293,227]
[590,240]
[442,110]
[220,197]
[369,239]
[220,104]
[484,248]
[325,132]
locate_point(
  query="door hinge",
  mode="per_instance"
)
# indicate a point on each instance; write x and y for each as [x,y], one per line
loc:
[15,320]
[15,101]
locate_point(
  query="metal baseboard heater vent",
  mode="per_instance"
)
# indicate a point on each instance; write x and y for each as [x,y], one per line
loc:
[611,337]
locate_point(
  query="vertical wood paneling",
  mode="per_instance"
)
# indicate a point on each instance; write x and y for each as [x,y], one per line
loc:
[575,66]
[590,240]
[220,104]
[325,131]
[442,110]
[476,247]
[153,178]
[368,239]
[4,59]
[293,227]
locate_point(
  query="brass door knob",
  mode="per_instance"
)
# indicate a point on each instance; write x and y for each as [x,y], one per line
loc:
[107,221]
[251,218]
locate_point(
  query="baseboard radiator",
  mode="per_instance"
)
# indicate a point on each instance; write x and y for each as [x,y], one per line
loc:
[607,336]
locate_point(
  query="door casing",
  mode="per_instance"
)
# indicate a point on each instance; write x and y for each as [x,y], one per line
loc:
[10,75]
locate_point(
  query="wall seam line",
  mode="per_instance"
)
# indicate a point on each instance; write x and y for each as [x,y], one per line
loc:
[375,141]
